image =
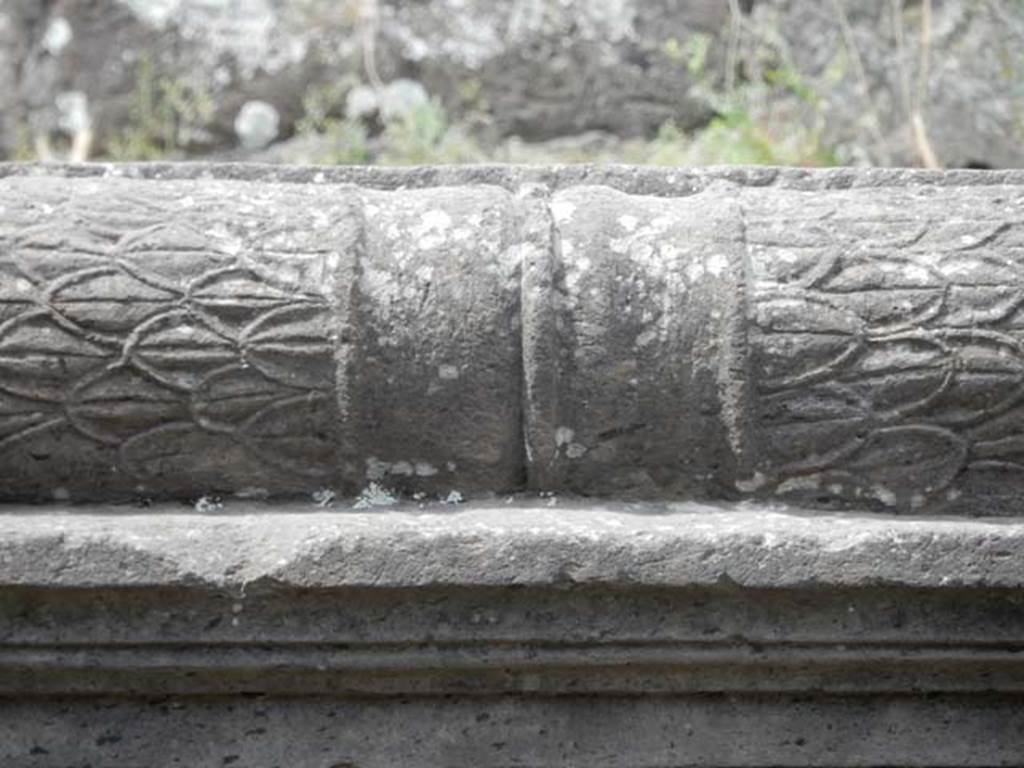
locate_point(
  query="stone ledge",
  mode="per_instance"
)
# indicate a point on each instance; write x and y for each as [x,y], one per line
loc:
[632,179]
[519,633]
[492,597]
[498,543]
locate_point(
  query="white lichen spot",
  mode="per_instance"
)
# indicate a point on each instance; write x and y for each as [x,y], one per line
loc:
[628,222]
[916,273]
[807,483]
[564,436]
[448,372]
[575,450]
[884,495]
[423,469]
[376,469]
[436,220]
[58,35]
[619,245]
[646,337]
[751,484]
[21,285]
[403,468]
[450,466]
[432,229]
[454,497]
[694,272]
[375,495]
[575,271]
[717,264]
[562,210]
[207,504]
[644,253]
[668,253]
[324,497]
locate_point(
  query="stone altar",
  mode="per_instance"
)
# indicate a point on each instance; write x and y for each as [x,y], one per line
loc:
[738,451]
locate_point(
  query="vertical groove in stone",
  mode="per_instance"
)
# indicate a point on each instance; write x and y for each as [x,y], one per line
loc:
[735,396]
[348,332]
[540,336]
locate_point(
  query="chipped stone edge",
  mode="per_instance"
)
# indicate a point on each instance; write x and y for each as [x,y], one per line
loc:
[640,180]
[494,544]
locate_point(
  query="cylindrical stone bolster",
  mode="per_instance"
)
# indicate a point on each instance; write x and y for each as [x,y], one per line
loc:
[185,337]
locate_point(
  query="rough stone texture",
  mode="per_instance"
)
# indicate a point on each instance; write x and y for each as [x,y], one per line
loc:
[531,68]
[662,732]
[436,384]
[843,338]
[186,337]
[502,634]
[503,543]
[839,338]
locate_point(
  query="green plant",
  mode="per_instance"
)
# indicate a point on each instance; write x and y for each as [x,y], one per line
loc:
[323,105]
[344,142]
[340,140]
[166,114]
[24,150]
[424,135]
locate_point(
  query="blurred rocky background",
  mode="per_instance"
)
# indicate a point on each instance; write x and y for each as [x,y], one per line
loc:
[935,83]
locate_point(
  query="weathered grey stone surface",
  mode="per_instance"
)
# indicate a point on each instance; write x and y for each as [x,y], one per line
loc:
[508,633]
[665,732]
[501,543]
[840,338]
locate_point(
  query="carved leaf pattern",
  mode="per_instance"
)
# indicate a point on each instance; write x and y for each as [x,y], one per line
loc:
[166,338]
[890,359]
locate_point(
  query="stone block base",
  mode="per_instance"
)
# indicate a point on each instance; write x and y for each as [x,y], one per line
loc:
[526,632]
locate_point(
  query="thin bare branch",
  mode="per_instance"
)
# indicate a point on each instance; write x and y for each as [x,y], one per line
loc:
[874,121]
[732,53]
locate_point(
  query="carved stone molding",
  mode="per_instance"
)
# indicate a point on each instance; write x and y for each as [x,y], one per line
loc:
[833,339]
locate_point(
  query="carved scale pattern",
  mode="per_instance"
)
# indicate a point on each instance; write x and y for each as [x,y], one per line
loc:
[165,333]
[890,366]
